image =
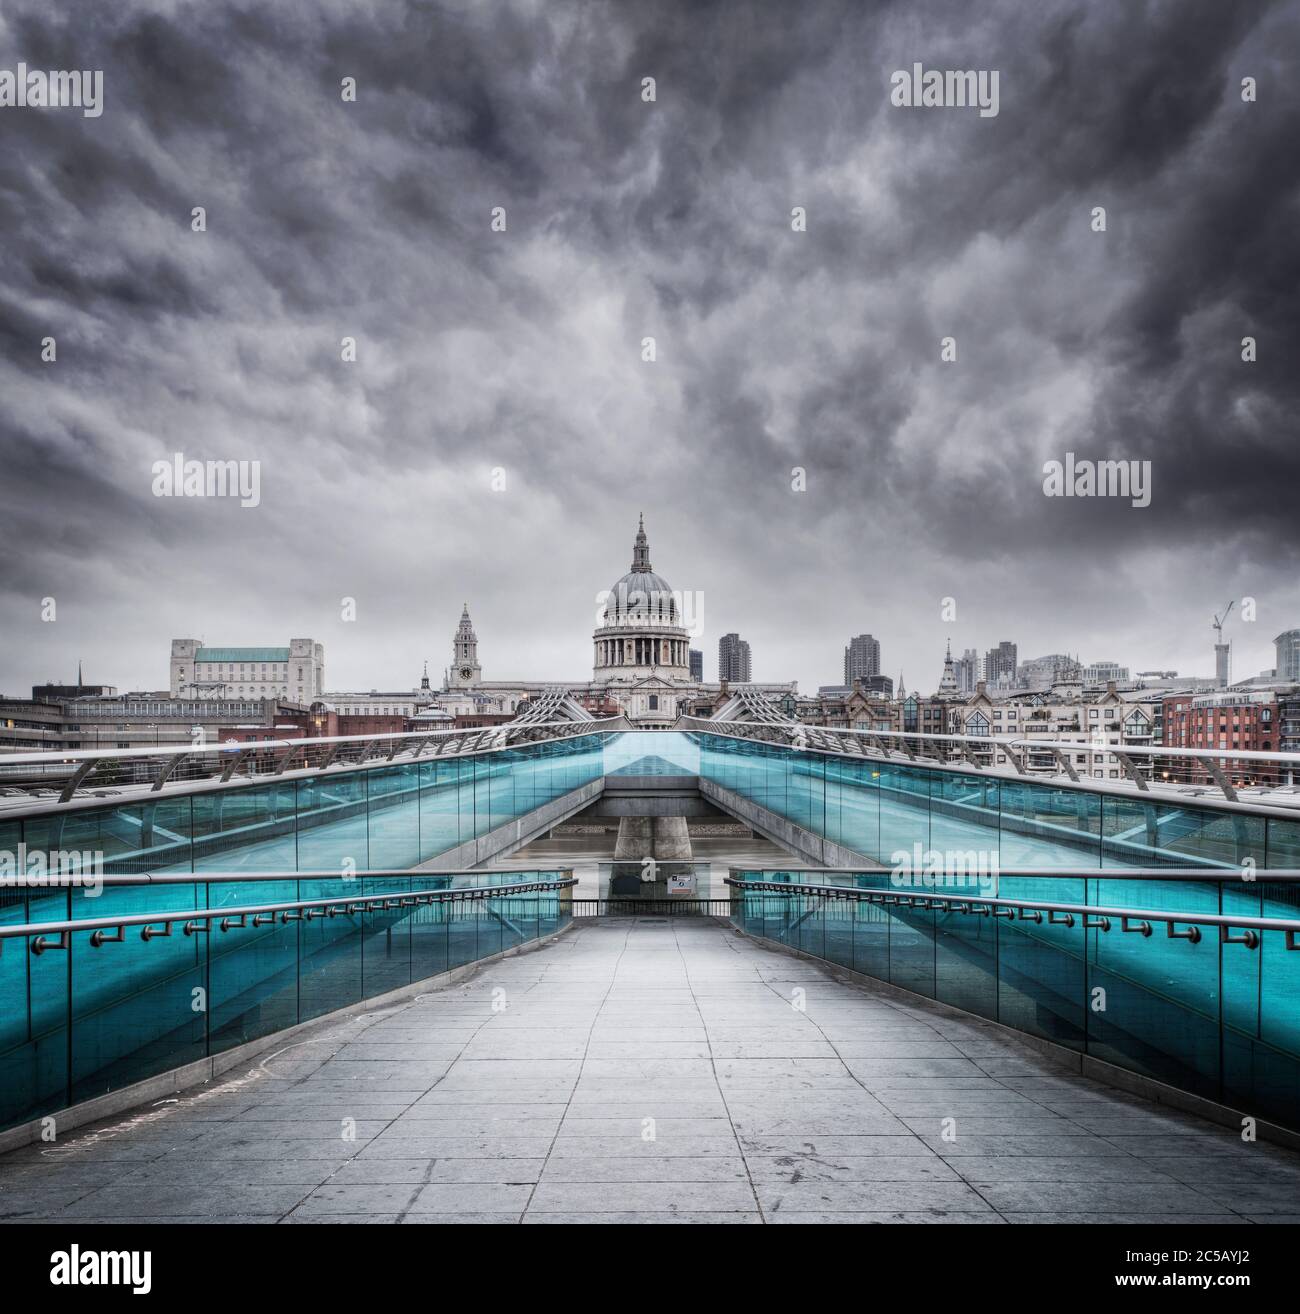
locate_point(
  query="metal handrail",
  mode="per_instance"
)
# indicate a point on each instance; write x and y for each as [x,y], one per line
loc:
[56,756]
[632,906]
[334,905]
[701,725]
[1016,909]
[871,745]
[75,880]
[1259,876]
[222,760]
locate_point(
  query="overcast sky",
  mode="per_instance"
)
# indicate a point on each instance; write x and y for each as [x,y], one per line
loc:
[626,219]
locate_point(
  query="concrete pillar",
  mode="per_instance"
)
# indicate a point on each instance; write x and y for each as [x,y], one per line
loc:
[666,840]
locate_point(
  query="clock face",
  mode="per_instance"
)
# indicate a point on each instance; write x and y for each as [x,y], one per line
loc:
[466,672]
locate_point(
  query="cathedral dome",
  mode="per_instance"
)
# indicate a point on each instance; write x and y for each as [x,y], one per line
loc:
[640,640]
[641,595]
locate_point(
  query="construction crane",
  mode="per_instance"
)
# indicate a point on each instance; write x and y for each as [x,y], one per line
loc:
[1221,649]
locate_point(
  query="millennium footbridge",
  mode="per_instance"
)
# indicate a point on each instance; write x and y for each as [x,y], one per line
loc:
[561,970]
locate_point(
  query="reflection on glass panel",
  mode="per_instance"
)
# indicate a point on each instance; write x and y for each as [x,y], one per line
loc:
[1049,826]
[966,962]
[134,1007]
[253,970]
[439,808]
[394,817]
[252,828]
[333,831]
[1283,844]
[123,840]
[904,814]
[34,1075]
[651,753]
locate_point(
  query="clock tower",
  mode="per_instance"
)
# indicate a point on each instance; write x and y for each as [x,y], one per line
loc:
[465,670]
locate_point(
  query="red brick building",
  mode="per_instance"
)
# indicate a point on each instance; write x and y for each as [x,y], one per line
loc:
[1223,721]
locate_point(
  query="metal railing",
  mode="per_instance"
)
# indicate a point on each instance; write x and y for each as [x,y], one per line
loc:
[159,924]
[475,876]
[1221,875]
[1227,774]
[630,907]
[1099,917]
[150,769]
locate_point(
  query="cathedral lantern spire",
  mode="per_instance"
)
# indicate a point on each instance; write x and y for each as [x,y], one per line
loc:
[641,549]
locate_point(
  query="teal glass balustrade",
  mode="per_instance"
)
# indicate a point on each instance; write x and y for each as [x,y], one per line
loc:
[372,817]
[404,814]
[1218,1019]
[884,810]
[80,1021]
[67,1031]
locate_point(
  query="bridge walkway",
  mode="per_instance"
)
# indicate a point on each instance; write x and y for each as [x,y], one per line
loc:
[644,1070]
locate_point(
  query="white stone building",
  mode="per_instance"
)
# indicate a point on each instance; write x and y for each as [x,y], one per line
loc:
[296,672]
[1087,728]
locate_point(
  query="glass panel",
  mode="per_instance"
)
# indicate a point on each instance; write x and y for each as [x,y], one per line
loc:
[140,1006]
[871,931]
[249,828]
[429,939]
[911,949]
[1048,826]
[150,836]
[253,970]
[964,820]
[386,938]
[811,928]
[439,806]
[1042,972]
[904,814]
[837,917]
[394,817]
[966,962]
[34,1070]
[332,823]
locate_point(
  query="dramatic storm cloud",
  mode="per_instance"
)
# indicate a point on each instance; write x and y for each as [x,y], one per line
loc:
[521,351]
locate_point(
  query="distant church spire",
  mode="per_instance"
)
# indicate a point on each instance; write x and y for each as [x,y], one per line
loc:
[948,682]
[641,550]
[464,647]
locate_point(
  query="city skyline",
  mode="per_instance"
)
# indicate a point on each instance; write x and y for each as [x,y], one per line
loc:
[513,664]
